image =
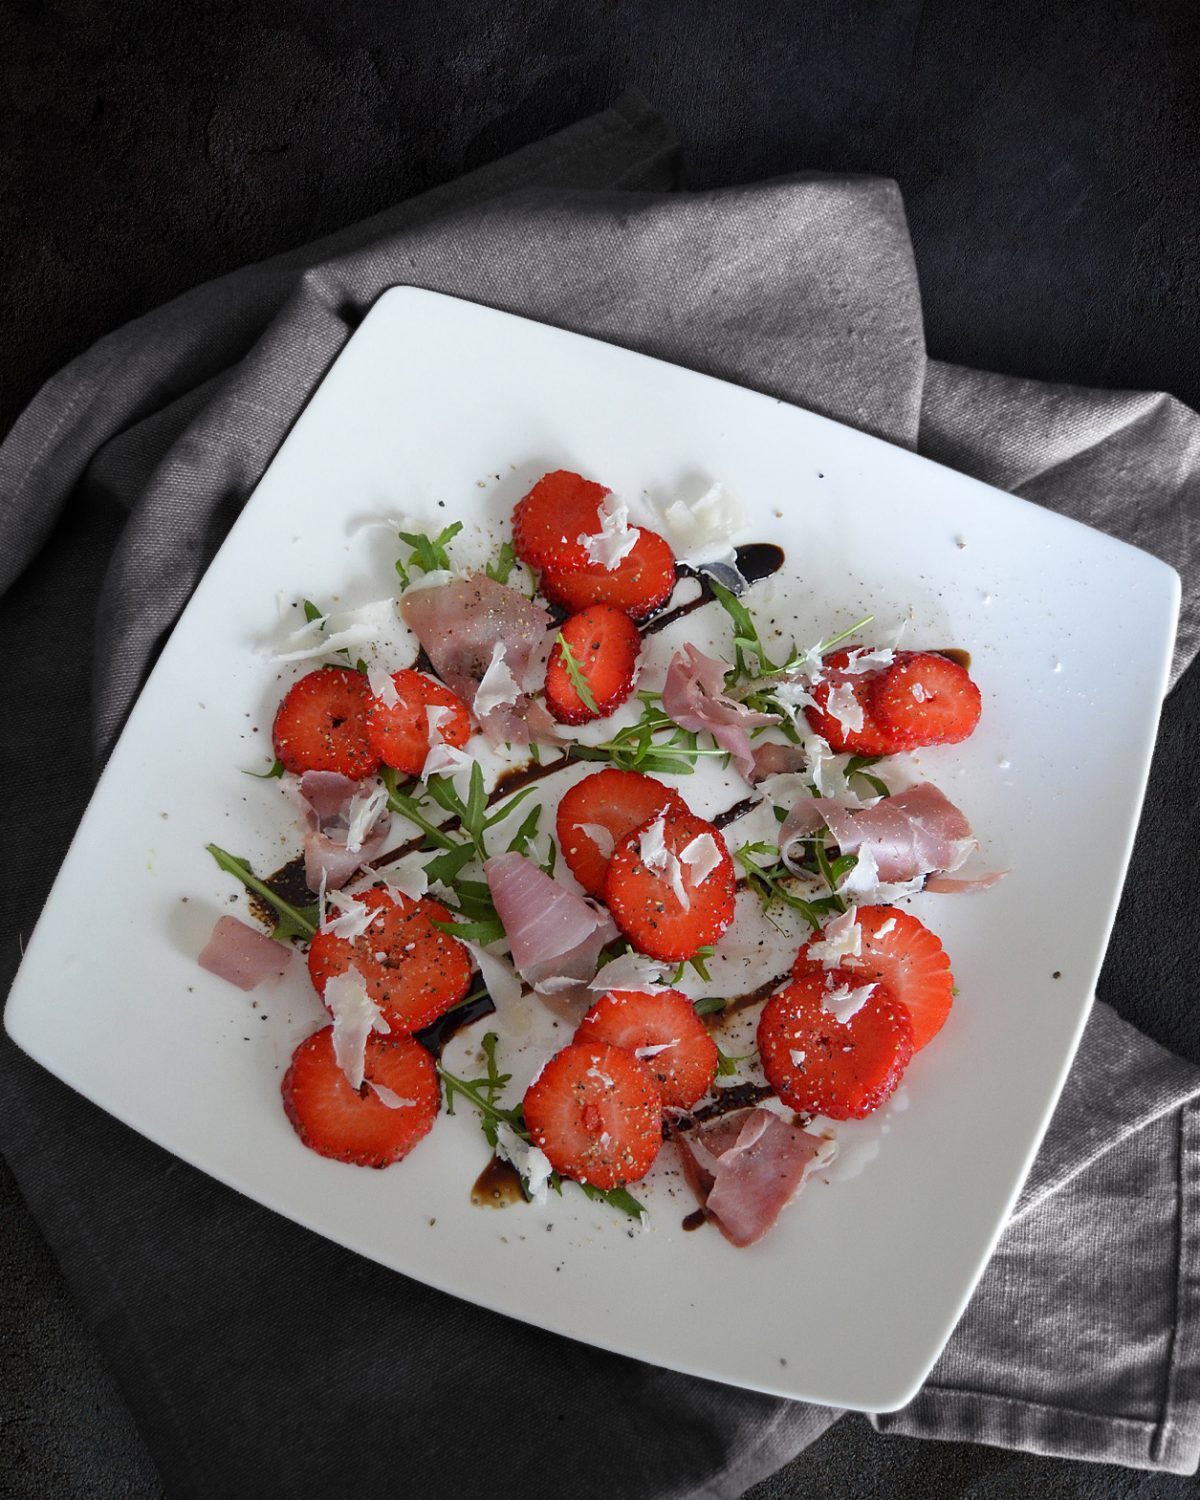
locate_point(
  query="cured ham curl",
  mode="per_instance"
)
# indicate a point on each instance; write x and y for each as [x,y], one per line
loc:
[555,934]
[347,824]
[479,634]
[747,1166]
[243,955]
[694,695]
[914,833]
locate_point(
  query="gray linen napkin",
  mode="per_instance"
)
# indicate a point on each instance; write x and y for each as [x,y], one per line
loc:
[1083,1337]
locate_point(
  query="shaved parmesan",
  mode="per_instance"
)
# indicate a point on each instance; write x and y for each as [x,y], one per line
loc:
[844,1001]
[355,917]
[654,1050]
[407,877]
[390,1097]
[631,971]
[381,685]
[702,530]
[339,630]
[355,1017]
[600,836]
[498,688]
[616,539]
[531,1162]
[365,809]
[797,1057]
[843,706]
[663,861]
[841,938]
[701,856]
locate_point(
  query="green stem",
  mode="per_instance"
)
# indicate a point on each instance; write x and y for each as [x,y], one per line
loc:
[242,871]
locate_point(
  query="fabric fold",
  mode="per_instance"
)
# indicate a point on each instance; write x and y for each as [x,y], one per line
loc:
[804,288]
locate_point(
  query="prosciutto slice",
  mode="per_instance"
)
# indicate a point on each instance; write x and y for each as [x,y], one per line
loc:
[243,955]
[555,934]
[772,759]
[746,1167]
[909,835]
[460,624]
[694,695]
[348,824]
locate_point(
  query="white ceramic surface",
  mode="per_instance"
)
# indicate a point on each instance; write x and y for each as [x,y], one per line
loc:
[439,409]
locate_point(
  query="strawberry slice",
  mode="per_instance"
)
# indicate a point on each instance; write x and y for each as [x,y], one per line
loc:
[412,970]
[664,1032]
[604,644]
[639,584]
[401,735]
[902,953]
[361,1126]
[924,698]
[596,1113]
[822,1065]
[648,876]
[871,738]
[616,802]
[321,725]
[548,522]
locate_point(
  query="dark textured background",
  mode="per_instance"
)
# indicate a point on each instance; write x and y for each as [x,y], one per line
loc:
[1048,157]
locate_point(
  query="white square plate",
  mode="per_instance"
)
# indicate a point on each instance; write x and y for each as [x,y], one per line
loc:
[441,409]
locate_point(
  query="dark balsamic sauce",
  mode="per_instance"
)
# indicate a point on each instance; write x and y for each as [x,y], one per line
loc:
[289,885]
[756,561]
[740,1096]
[955,653]
[696,1219]
[732,814]
[437,1034]
[497,1186]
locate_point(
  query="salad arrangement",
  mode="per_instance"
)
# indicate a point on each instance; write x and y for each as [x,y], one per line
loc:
[430,892]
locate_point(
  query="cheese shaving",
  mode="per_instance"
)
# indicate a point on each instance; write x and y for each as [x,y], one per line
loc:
[616,539]
[355,1017]
[498,688]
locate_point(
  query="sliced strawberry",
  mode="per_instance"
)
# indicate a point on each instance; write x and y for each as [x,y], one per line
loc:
[664,1032]
[321,725]
[821,1065]
[401,735]
[548,522]
[902,953]
[925,699]
[612,800]
[412,970]
[644,897]
[872,738]
[639,584]
[604,645]
[354,1125]
[596,1113]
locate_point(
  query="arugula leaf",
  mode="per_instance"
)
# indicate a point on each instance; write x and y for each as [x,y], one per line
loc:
[425,552]
[619,1198]
[727,1062]
[447,866]
[746,640]
[482,932]
[844,635]
[519,843]
[311,612]
[709,1005]
[294,921]
[500,571]
[275,771]
[480,1093]
[857,766]
[578,680]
